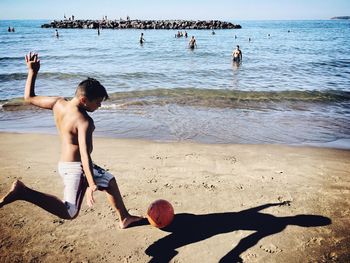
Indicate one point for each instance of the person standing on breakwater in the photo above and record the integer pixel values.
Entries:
(142, 40)
(192, 44)
(79, 174)
(237, 55)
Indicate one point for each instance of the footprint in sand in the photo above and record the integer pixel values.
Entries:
(330, 257)
(271, 248)
(89, 210)
(101, 215)
(314, 241)
(58, 221)
(167, 185)
(345, 212)
(231, 159)
(158, 157)
(284, 201)
(153, 180)
(250, 256)
(192, 156)
(240, 187)
(67, 247)
(19, 224)
(210, 187)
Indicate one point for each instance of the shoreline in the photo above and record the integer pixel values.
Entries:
(340, 144)
(229, 187)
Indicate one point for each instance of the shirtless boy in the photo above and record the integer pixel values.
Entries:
(76, 168)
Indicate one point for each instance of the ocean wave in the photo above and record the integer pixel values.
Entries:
(183, 94)
(4, 59)
(334, 63)
(140, 75)
(212, 98)
(80, 75)
(13, 76)
(43, 75)
(16, 104)
(251, 100)
(70, 56)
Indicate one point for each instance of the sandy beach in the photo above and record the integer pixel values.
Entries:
(231, 202)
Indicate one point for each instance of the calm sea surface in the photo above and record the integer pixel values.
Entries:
(293, 86)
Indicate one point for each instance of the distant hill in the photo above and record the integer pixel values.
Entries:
(341, 17)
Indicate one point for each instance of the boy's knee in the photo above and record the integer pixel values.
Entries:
(72, 210)
(72, 216)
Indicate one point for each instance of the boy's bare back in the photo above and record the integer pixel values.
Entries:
(69, 119)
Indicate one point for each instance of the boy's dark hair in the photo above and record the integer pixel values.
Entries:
(91, 89)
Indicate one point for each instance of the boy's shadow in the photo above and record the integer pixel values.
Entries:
(190, 228)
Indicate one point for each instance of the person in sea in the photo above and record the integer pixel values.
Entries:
(237, 54)
(79, 174)
(192, 43)
(142, 40)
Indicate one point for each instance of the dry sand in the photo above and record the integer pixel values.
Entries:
(225, 198)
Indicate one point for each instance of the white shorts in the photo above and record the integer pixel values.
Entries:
(75, 183)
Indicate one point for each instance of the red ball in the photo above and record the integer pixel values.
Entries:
(160, 213)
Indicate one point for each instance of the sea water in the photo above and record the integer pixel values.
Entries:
(292, 87)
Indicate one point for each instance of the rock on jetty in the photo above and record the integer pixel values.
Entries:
(141, 24)
(341, 17)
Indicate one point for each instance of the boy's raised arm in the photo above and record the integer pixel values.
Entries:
(33, 64)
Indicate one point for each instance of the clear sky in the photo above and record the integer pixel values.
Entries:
(175, 9)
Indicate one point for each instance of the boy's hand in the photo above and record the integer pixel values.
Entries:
(33, 62)
(90, 195)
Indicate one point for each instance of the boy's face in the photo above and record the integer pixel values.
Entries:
(92, 105)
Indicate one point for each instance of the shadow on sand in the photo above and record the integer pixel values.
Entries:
(189, 228)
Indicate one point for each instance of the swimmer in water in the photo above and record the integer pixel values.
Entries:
(237, 55)
(192, 44)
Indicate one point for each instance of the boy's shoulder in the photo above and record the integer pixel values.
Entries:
(61, 101)
(63, 107)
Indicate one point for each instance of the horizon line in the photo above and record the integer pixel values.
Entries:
(248, 19)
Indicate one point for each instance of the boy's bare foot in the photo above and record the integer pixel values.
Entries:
(129, 221)
(14, 193)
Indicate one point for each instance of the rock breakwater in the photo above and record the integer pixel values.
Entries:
(141, 24)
